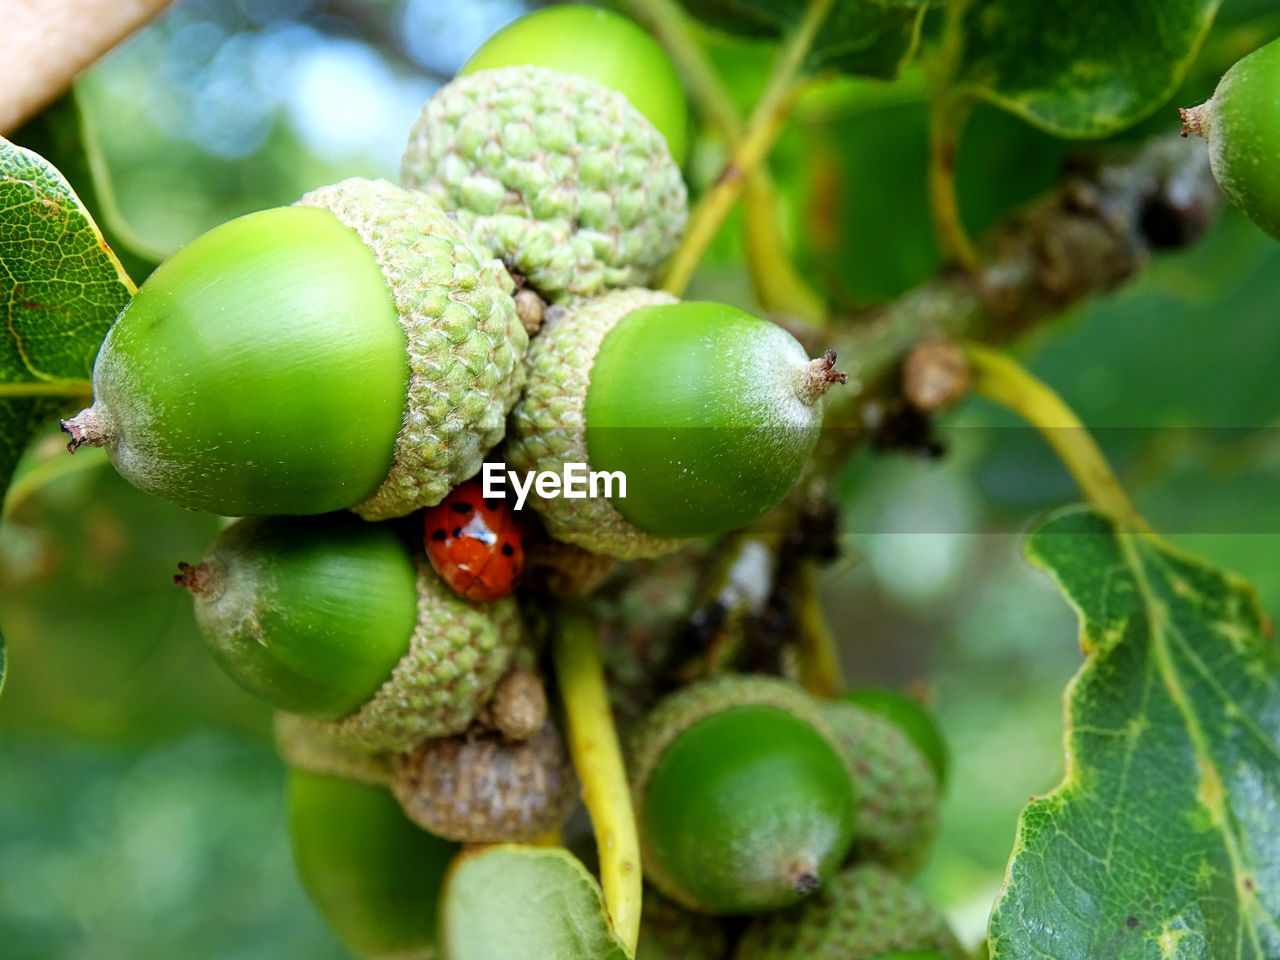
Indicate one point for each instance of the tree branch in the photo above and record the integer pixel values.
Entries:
(1094, 233)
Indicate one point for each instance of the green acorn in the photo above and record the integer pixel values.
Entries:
(357, 350)
(1241, 121)
(335, 619)
(558, 175)
(865, 912)
(486, 789)
(742, 801)
(709, 412)
(373, 875)
(897, 788)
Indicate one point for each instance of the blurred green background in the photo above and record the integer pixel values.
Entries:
(141, 807)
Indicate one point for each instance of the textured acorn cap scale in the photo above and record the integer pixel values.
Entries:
(355, 350)
(558, 175)
(865, 911)
(898, 795)
(485, 789)
(457, 654)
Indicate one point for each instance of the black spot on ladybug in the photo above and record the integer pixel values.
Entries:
(457, 531)
(439, 534)
(508, 550)
(493, 503)
(460, 507)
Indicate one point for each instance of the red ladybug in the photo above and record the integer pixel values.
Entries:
(474, 544)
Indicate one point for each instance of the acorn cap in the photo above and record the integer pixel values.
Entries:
(548, 426)
(306, 744)
(485, 789)
(669, 932)
(558, 175)
(863, 912)
(710, 701)
(464, 339)
(457, 653)
(898, 799)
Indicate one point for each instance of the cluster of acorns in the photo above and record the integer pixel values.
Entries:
(329, 369)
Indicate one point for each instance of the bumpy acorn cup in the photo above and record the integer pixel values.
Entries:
(333, 618)
(743, 803)
(914, 720)
(896, 785)
(668, 932)
(556, 174)
(374, 876)
(1241, 121)
(864, 913)
(485, 789)
(708, 412)
(357, 350)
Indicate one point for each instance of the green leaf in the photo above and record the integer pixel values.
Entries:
(60, 289)
(514, 902)
(1162, 839)
(1079, 69)
(873, 38)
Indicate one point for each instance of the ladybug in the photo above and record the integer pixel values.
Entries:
(474, 543)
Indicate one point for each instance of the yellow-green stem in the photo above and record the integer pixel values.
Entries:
(778, 285)
(597, 757)
(670, 27)
(30, 482)
(819, 655)
(758, 138)
(947, 116)
(1002, 380)
(76, 389)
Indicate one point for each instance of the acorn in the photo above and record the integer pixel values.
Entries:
(561, 177)
(1241, 121)
(742, 801)
(865, 912)
(898, 794)
(374, 876)
(706, 412)
(482, 788)
(357, 350)
(335, 619)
